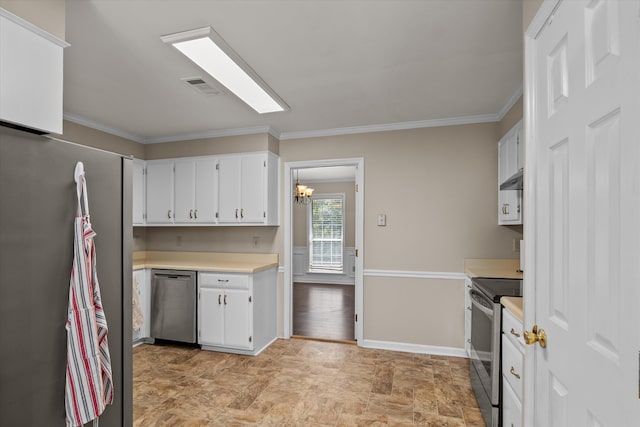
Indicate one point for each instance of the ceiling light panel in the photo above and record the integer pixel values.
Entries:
(210, 52)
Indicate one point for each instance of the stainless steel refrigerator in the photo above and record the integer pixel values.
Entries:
(37, 208)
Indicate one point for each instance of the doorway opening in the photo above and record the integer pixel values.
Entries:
(323, 256)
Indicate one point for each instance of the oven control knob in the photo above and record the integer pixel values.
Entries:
(536, 335)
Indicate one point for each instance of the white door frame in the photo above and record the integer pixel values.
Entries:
(358, 162)
(529, 289)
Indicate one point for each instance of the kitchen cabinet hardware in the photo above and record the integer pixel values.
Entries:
(510, 163)
(513, 332)
(223, 280)
(169, 214)
(195, 214)
(219, 296)
(236, 213)
(225, 299)
(241, 213)
(514, 372)
(190, 213)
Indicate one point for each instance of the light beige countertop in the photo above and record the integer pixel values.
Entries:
(514, 305)
(493, 268)
(205, 261)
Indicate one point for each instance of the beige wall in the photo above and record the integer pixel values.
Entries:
(414, 311)
(46, 14)
(511, 118)
(437, 187)
(211, 146)
(300, 212)
(105, 141)
(529, 10)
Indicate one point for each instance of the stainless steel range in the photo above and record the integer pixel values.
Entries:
(486, 324)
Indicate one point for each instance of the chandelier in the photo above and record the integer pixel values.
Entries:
(302, 193)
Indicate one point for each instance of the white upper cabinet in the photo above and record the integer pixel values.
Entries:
(248, 189)
(239, 189)
(196, 189)
(206, 191)
(138, 192)
(160, 192)
(185, 190)
(230, 175)
(510, 162)
(31, 75)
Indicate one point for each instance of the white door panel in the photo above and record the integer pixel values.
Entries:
(586, 214)
(206, 191)
(253, 188)
(160, 192)
(184, 181)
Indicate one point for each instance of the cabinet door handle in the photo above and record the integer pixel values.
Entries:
(506, 209)
(223, 280)
(195, 214)
(225, 303)
(513, 332)
(190, 213)
(236, 213)
(219, 299)
(514, 373)
(241, 213)
(169, 214)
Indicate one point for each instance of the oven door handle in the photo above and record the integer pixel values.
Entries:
(482, 308)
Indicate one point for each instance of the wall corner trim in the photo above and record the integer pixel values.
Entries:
(414, 348)
(415, 274)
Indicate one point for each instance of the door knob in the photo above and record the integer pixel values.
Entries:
(536, 335)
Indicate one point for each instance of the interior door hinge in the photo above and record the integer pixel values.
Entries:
(355, 317)
(356, 188)
(356, 253)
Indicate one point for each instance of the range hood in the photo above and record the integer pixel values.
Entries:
(513, 183)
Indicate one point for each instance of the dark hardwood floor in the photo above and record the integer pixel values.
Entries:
(323, 311)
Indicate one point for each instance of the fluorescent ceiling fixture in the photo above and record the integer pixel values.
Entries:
(211, 53)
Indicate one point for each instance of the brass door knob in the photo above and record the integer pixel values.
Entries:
(536, 336)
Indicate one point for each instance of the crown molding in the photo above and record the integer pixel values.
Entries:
(510, 103)
(98, 126)
(485, 118)
(453, 121)
(33, 28)
(214, 134)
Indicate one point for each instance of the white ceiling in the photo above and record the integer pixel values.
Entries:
(337, 64)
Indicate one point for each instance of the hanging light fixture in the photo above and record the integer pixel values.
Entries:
(302, 193)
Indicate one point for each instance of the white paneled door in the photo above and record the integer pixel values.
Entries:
(583, 154)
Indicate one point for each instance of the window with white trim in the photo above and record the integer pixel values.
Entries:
(326, 233)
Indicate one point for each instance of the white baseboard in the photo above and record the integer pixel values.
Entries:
(415, 348)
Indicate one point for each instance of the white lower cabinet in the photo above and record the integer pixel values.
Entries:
(142, 289)
(467, 315)
(512, 367)
(237, 311)
(511, 407)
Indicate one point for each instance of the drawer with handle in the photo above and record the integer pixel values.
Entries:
(512, 362)
(512, 328)
(229, 281)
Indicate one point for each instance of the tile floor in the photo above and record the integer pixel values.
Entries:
(300, 383)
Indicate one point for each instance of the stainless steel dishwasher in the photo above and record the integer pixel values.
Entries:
(173, 305)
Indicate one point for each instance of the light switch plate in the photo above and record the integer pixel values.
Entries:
(382, 220)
